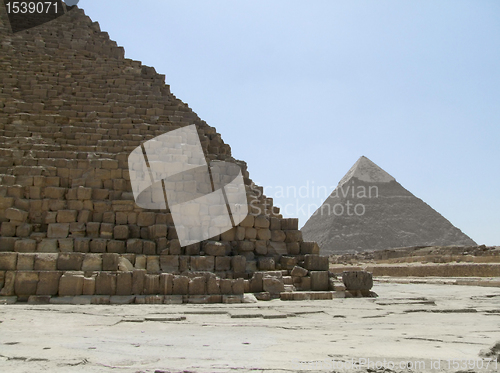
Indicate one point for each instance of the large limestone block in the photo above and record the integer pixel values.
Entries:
(319, 280)
(89, 285)
(153, 264)
(261, 221)
(151, 284)
(138, 281)
(203, 263)
(197, 286)
(314, 262)
(180, 285)
(8, 261)
(15, 214)
(110, 261)
(124, 283)
(66, 216)
(213, 286)
(47, 246)
(134, 246)
(309, 248)
(71, 284)
(25, 283)
(238, 286)
(357, 280)
(115, 246)
(266, 264)
(223, 263)
(48, 283)
(8, 285)
(7, 243)
(298, 271)
(45, 262)
(169, 263)
(92, 262)
(25, 261)
(238, 262)
(58, 230)
(273, 285)
(166, 283)
(215, 248)
(226, 286)
(70, 261)
(105, 283)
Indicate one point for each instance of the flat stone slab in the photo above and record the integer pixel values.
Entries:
(420, 324)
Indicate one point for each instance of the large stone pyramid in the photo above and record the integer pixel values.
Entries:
(72, 109)
(370, 210)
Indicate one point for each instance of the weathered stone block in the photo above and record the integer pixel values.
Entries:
(266, 264)
(153, 264)
(58, 230)
(263, 234)
(202, 263)
(226, 286)
(25, 283)
(89, 285)
(115, 246)
(71, 284)
(134, 246)
(45, 262)
(250, 233)
(146, 219)
(138, 281)
(314, 262)
(278, 236)
(151, 284)
(65, 245)
(357, 280)
(228, 235)
(8, 283)
(15, 214)
(92, 262)
(124, 283)
(48, 283)
(248, 221)
(24, 230)
(98, 245)
(8, 261)
(246, 245)
(124, 264)
(82, 245)
(238, 286)
(309, 248)
(273, 285)
(7, 243)
(223, 263)
(213, 286)
(120, 232)
(47, 246)
(319, 280)
(180, 285)
(110, 261)
(197, 286)
(25, 261)
(8, 229)
(105, 283)
(216, 248)
(288, 262)
(299, 272)
(107, 230)
(66, 216)
(70, 261)
(166, 283)
(169, 263)
(261, 221)
(293, 236)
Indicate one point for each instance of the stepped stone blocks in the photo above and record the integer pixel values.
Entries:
(370, 210)
(72, 110)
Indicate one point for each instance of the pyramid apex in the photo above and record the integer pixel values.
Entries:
(366, 170)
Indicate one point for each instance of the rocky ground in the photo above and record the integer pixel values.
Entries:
(420, 327)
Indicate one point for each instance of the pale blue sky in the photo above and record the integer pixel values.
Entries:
(302, 89)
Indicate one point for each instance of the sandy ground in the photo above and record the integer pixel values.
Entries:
(412, 327)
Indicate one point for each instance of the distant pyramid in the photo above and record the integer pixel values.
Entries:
(370, 210)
